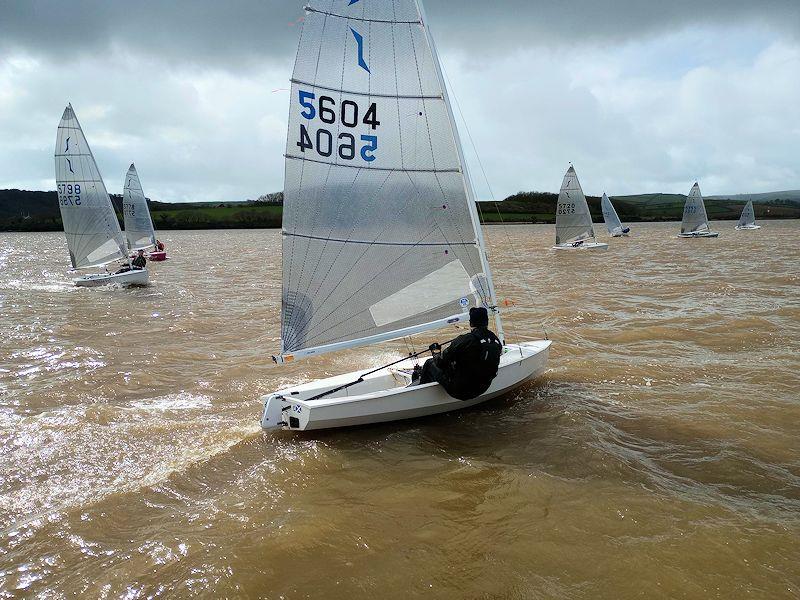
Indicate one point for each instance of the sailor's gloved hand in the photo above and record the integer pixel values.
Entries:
(434, 347)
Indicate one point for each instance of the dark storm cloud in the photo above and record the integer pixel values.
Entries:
(231, 34)
(239, 33)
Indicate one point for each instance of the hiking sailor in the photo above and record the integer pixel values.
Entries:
(466, 368)
(136, 264)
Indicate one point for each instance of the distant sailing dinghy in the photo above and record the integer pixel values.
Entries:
(695, 219)
(748, 218)
(90, 223)
(574, 230)
(381, 238)
(139, 231)
(614, 225)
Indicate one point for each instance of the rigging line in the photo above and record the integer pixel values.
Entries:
(359, 171)
(491, 193)
(305, 256)
(365, 168)
(428, 129)
(383, 329)
(287, 319)
(324, 187)
(473, 267)
(406, 170)
(377, 243)
(358, 291)
(368, 94)
(352, 18)
(304, 324)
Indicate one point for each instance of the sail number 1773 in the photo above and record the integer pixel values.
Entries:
(347, 113)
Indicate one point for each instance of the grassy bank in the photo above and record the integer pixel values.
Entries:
(38, 211)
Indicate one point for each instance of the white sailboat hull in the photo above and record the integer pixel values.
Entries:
(133, 277)
(386, 395)
(747, 227)
(699, 234)
(584, 246)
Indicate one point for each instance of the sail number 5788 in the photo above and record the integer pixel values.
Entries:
(345, 145)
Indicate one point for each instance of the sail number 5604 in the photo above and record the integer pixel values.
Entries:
(345, 144)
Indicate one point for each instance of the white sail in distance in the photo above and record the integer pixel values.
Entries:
(139, 231)
(573, 219)
(380, 233)
(610, 216)
(90, 223)
(748, 216)
(694, 212)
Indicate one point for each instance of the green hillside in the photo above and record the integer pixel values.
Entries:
(38, 211)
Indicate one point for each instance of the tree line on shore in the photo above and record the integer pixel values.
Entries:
(38, 211)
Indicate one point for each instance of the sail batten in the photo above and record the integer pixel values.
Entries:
(139, 231)
(378, 235)
(573, 219)
(359, 93)
(361, 167)
(90, 223)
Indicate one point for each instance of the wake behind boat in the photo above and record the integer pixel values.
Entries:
(94, 237)
(381, 238)
(574, 228)
(611, 218)
(695, 218)
(748, 219)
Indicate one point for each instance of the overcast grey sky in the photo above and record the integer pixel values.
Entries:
(641, 96)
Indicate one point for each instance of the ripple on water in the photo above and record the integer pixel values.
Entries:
(658, 455)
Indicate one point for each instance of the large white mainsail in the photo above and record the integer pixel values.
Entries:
(139, 231)
(573, 219)
(748, 218)
(90, 223)
(695, 218)
(380, 232)
(611, 218)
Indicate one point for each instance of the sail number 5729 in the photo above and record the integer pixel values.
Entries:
(345, 145)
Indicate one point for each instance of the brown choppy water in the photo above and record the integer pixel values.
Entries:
(658, 458)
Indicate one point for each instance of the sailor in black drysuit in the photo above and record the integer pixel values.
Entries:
(468, 365)
(136, 264)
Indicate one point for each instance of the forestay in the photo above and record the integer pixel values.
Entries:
(90, 223)
(694, 212)
(139, 231)
(380, 235)
(748, 215)
(610, 216)
(573, 219)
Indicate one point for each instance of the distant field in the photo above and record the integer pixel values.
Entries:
(38, 211)
(223, 217)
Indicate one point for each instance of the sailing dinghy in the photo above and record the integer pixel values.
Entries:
(574, 229)
(611, 218)
(695, 219)
(139, 231)
(93, 235)
(748, 219)
(381, 238)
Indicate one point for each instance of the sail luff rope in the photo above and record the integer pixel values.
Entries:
(518, 264)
